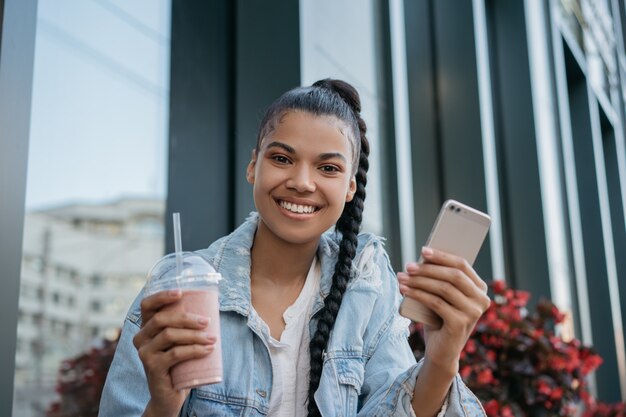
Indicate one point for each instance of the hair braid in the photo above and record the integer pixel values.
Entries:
(348, 225)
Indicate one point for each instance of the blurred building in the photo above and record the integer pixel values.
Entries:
(83, 264)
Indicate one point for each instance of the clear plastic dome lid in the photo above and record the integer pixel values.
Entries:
(195, 273)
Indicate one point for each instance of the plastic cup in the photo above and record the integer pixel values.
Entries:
(198, 282)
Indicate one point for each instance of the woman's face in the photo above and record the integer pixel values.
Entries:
(302, 176)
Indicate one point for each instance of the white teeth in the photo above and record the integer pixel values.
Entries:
(296, 208)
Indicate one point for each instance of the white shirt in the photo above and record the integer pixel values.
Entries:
(290, 355)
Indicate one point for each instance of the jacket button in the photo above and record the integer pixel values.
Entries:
(261, 393)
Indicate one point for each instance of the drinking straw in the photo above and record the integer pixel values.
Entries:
(178, 245)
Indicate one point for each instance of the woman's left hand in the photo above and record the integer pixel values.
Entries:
(449, 286)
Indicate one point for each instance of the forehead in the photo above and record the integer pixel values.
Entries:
(303, 130)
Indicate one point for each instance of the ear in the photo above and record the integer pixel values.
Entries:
(251, 166)
(351, 190)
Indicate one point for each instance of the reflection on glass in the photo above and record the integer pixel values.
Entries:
(591, 23)
(340, 40)
(95, 192)
(573, 18)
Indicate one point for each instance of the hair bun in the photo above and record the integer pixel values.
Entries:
(346, 91)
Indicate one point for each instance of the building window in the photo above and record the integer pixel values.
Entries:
(96, 305)
(96, 281)
(77, 216)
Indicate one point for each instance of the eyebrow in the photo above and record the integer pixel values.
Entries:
(331, 155)
(281, 145)
(324, 156)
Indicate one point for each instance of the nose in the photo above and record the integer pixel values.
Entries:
(301, 181)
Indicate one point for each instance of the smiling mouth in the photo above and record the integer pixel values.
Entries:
(297, 208)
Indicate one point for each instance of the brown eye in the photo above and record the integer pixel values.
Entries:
(330, 168)
(281, 159)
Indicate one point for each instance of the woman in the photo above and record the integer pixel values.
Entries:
(309, 318)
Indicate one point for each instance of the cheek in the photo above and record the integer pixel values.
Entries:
(267, 178)
(340, 190)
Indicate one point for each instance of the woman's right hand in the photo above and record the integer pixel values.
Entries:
(167, 338)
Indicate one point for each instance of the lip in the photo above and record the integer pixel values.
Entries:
(300, 201)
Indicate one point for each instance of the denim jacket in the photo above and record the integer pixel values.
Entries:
(369, 369)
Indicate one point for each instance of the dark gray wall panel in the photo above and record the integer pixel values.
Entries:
(522, 213)
(456, 82)
(268, 64)
(201, 117)
(446, 136)
(423, 113)
(616, 214)
(595, 261)
(18, 20)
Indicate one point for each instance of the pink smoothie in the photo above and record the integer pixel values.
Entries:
(206, 370)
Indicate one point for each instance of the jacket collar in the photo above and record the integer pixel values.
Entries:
(232, 260)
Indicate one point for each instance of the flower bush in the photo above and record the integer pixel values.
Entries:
(517, 366)
(80, 382)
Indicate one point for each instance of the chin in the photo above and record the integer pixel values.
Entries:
(293, 235)
(299, 238)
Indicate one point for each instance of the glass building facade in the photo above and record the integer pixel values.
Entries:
(110, 111)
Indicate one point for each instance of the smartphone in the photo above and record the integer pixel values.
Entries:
(459, 230)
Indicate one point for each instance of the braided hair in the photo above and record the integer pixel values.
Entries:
(348, 225)
(339, 99)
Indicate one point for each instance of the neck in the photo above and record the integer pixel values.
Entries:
(279, 261)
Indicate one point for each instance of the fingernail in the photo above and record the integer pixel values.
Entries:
(403, 288)
(173, 293)
(208, 337)
(202, 320)
(413, 266)
(427, 251)
(209, 348)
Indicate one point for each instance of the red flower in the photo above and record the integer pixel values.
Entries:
(491, 408)
(490, 315)
(556, 394)
(498, 286)
(470, 346)
(557, 363)
(557, 315)
(521, 298)
(498, 325)
(507, 412)
(485, 377)
(537, 333)
(591, 363)
(544, 388)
